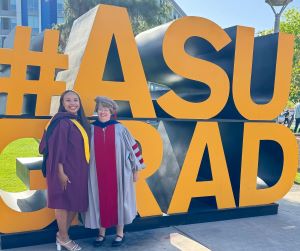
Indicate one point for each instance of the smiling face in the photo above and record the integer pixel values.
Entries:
(104, 114)
(71, 102)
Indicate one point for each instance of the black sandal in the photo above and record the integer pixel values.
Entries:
(116, 243)
(98, 242)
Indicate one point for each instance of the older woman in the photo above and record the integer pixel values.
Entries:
(115, 161)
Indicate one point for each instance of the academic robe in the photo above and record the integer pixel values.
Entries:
(66, 146)
(114, 157)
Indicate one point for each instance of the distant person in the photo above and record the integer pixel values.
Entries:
(297, 116)
(66, 144)
(115, 162)
(286, 117)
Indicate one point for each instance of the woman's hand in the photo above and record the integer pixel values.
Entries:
(135, 176)
(63, 178)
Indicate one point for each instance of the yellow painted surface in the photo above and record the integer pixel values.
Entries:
(89, 81)
(206, 134)
(194, 68)
(242, 76)
(253, 134)
(19, 57)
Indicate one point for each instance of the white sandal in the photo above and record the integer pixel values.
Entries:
(69, 245)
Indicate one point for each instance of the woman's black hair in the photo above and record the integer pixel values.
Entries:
(81, 115)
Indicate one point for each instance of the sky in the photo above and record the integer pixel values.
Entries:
(227, 13)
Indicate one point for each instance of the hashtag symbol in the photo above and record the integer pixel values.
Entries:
(19, 57)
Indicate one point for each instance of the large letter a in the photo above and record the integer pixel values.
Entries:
(110, 22)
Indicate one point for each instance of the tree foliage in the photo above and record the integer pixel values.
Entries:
(144, 14)
(291, 24)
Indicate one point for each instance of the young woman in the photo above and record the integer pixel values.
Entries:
(66, 141)
(115, 162)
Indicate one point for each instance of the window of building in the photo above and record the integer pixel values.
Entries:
(2, 41)
(60, 7)
(60, 20)
(13, 4)
(60, 11)
(5, 23)
(8, 5)
(32, 6)
(4, 4)
(13, 23)
(33, 22)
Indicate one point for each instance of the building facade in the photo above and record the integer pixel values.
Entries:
(38, 14)
(8, 18)
(41, 14)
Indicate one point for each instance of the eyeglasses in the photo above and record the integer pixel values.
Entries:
(103, 110)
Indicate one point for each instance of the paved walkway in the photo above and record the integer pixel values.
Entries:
(276, 232)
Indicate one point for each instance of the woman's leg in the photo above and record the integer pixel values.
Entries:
(118, 241)
(62, 223)
(63, 217)
(297, 124)
(102, 231)
(120, 230)
(70, 218)
(101, 237)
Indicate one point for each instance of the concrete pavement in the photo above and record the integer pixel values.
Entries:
(276, 232)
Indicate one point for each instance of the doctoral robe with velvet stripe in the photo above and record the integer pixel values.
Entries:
(114, 157)
(66, 146)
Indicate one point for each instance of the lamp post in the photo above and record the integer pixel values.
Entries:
(278, 3)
